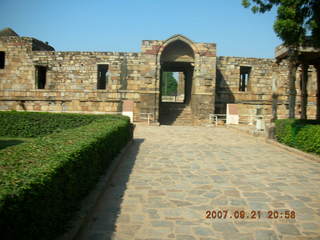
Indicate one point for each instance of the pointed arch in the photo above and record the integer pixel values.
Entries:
(178, 38)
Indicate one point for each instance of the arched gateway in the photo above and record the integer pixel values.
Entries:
(177, 61)
(188, 66)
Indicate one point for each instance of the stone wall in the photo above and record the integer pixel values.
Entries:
(71, 84)
(203, 58)
(265, 79)
(71, 79)
(18, 64)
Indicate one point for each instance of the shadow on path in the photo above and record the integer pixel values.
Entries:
(102, 222)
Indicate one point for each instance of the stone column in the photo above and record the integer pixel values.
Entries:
(180, 90)
(304, 91)
(318, 91)
(274, 107)
(292, 88)
(275, 93)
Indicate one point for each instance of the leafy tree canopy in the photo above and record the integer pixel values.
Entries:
(298, 21)
(169, 84)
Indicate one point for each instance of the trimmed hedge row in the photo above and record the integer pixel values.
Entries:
(301, 134)
(43, 181)
(32, 124)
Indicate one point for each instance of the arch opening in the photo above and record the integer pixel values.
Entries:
(176, 73)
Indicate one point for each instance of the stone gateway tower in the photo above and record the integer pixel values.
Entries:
(35, 77)
(194, 61)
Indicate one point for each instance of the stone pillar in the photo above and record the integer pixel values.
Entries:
(304, 91)
(274, 107)
(292, 88)
(318, 91)
(275, 93)
(180, 90)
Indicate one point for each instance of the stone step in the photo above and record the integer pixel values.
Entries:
(176, 114)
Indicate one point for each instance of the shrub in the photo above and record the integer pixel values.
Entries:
(301, 134)
(43, 181)
(32, 124)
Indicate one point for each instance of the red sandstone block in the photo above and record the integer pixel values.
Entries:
(127, 106)
(156, 47)
(209, 54)
(37, 107)
(153, 52)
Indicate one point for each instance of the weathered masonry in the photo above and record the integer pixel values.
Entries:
(35, 77)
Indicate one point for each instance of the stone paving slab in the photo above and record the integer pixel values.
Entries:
(173, 178)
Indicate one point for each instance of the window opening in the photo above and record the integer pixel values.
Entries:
(41, 77)
(102, 76)
(244, 78)
(2, 60)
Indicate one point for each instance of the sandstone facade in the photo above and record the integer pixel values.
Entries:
(71, 80)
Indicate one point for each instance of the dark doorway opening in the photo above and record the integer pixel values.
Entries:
(175, 100)
(177, 61)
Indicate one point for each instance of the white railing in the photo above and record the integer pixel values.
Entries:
(258, 120)
(214, 118)
(147, 116)
(172, 98)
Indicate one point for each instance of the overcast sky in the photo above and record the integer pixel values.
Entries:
(121, 25)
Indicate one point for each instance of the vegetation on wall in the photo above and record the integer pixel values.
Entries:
(301, 134)
(43, 180)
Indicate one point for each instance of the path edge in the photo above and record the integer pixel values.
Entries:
(273, 142)
(293, 150)
(88, 203)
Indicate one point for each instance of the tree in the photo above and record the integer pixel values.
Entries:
(298, 21)
(297, 24)
(169, 84)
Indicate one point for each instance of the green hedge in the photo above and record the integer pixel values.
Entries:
(32, 124)
(301, 134)
(43, 181)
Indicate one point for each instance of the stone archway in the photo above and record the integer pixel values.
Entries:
(176, 57)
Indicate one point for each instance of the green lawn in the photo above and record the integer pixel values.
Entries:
(10, 141)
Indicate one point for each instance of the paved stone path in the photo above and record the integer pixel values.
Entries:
(171, 176)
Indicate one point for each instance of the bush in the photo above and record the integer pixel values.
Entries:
(32, 124)
(301, 134)
(43, 181)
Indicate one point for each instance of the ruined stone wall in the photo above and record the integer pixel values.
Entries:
(78, 70)
(266, 77)
(71, 83)
(150, 78)
(18, 64)
(203, 93)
